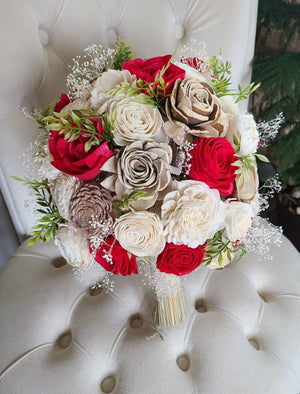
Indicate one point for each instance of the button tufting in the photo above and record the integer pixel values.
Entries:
(179, 32)
(200, 307)
(96, 291)
(263, 297)
(44, 37)
(254, 343)
(136, 321)
(183, 363)
(111, 36)
(65, 340)
(108, 384)
(58, 262)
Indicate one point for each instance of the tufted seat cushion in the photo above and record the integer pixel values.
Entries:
(240, 334)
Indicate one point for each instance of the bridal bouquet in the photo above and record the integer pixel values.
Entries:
(147, 161)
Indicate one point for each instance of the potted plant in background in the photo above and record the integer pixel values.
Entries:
(276, 65)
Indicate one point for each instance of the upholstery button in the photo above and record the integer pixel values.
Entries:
(65, 340)
(183, 363)
(44, 37)
(263, 297)
(96, 291)
(111, 36)
(108, 384)
(179, 32)
(254, 343)
(200, 307)
(58, 262)
(136, 321)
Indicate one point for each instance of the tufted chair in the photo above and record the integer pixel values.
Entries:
(241, 333)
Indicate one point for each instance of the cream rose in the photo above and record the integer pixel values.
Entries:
(248, 188)
(192, 214)
(244, 126)
(229, 106)
(73, 247)
(43, 163)
(141, 233)
(193, 108)
(135, 121)
(238, 220)
(215, 262)
(106, 82)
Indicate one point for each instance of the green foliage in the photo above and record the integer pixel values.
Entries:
(124, 205)
(79, 122)
(123, 53)
(219, 246)
(221, 80)
(152, 93)
(280, 77)
(48, 223)
(276, 65)
(43, 114)
(280, 15)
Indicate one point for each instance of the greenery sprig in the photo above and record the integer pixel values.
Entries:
(44, 114)
(122, 54)
(221, 80)
(78, 122)
(152, 93)
(124, 205)
(48, 223)
(219, 245)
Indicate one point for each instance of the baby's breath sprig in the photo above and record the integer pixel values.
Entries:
(124, 205)
(219, 246)
(79, 122)
(152, 93)
(221, 80)
(48, 223)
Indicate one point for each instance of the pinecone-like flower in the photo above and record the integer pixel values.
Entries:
(91, 210)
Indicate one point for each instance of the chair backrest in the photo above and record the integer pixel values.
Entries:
(39, 39)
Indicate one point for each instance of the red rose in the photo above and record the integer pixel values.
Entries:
(64, 101)
(148, 69)
(70, 156)
(211, 163)
(179, 259)
(118, 260)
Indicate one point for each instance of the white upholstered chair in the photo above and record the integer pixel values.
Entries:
(241, 333)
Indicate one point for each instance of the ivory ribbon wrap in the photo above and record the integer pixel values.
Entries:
(170, 304)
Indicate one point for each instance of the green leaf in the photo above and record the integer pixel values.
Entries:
(17, 178)
(54, 126)
(262, 157)
(30, 242)
(75, 118)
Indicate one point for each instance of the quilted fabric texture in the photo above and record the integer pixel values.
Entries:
(56, 335)
(240, 334)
